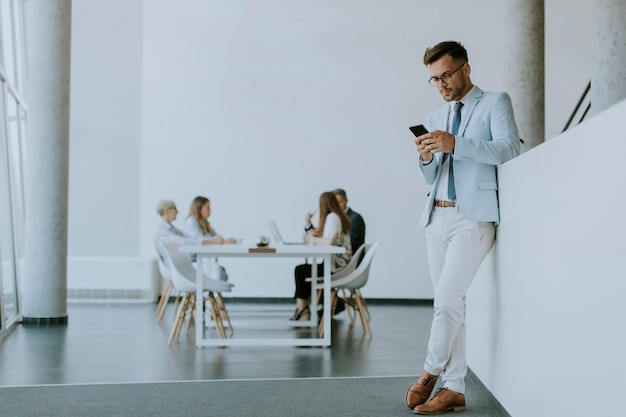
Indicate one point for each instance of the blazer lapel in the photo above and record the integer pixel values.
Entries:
(473, 100)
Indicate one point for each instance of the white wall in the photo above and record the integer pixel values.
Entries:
(282, 100)
(261, 106)
(105, 129)
(545, 315)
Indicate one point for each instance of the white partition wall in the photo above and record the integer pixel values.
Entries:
(545, 315)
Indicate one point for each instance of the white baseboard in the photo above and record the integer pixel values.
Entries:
(112, 279)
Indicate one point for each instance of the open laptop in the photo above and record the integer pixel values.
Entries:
(277, 236)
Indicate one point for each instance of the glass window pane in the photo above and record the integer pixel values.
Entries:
(16, 158)
(19, 45)
(6, 24)
(7, 255)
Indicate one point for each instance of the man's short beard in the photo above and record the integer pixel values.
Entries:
(457, 93)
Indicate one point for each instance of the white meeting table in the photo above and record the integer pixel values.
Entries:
(281, 251)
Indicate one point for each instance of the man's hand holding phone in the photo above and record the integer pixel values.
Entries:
(423, 147)
(429, 143)
(421, 134)
(438, 141)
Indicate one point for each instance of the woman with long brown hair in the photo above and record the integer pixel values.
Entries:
(197, 226)
(333, 229)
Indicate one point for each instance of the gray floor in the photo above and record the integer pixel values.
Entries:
(123, 343)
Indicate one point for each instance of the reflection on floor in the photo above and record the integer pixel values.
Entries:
(108, 343)
(123, 343)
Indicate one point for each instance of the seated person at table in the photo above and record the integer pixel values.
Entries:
(357, 225)
(167, 232)
(334, 229)
(197, 226)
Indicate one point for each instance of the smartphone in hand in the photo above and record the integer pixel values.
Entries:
(418, 130)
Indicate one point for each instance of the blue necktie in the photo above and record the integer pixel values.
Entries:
(456, 122)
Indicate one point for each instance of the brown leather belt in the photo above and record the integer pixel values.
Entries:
(439, 203)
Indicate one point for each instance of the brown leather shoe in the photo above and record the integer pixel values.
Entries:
(419, 392)
(443, 400)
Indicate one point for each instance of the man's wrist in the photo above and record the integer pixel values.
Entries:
(425, 162)
(308, 227)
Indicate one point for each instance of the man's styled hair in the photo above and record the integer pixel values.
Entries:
(341, 192)
(452, 48)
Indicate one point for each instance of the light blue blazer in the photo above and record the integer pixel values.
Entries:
(487, 137)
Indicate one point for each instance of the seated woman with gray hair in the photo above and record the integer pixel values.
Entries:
(167, 232)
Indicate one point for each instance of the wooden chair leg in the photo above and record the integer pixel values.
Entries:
(192, 310)
(222, 306)
(176, 304)
(320, 327)
(183, 312)
(333, 302)
(165, 298)
(217, 317)
(160, 303)
(334, 296)
(178, 319)
(348, 306)
(362, 307)
(365, 307)
(319, 297)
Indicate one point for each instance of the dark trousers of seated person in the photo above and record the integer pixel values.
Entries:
(302, 273)
(303, 287)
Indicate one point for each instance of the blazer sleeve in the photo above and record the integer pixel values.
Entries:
(491, 137)
(357, 234)
(435, 121)
(429, 170)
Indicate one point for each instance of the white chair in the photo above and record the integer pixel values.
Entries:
(184, 280)
(354, 261)
(353, 282)
(165, 272)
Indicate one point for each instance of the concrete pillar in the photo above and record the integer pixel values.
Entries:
(608, 68)
(524, 67)
(44, 286)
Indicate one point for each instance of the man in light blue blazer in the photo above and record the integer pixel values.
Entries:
(468, 138)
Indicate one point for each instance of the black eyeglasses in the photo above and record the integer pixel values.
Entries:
(445, 77)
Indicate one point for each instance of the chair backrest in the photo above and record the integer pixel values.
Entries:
(164, 270)
(358, 278)
(351, 265)
(184, 273)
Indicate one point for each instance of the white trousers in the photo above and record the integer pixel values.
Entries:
(456, 248)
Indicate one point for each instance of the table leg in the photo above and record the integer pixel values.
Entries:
(327, 307)
(199, 300)
(314, 287)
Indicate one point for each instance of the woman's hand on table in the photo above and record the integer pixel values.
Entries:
(308, 238)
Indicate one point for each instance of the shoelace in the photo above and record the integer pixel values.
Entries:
(440, 392)
(429, 379)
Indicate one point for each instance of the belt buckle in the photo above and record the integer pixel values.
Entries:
(443, 203)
